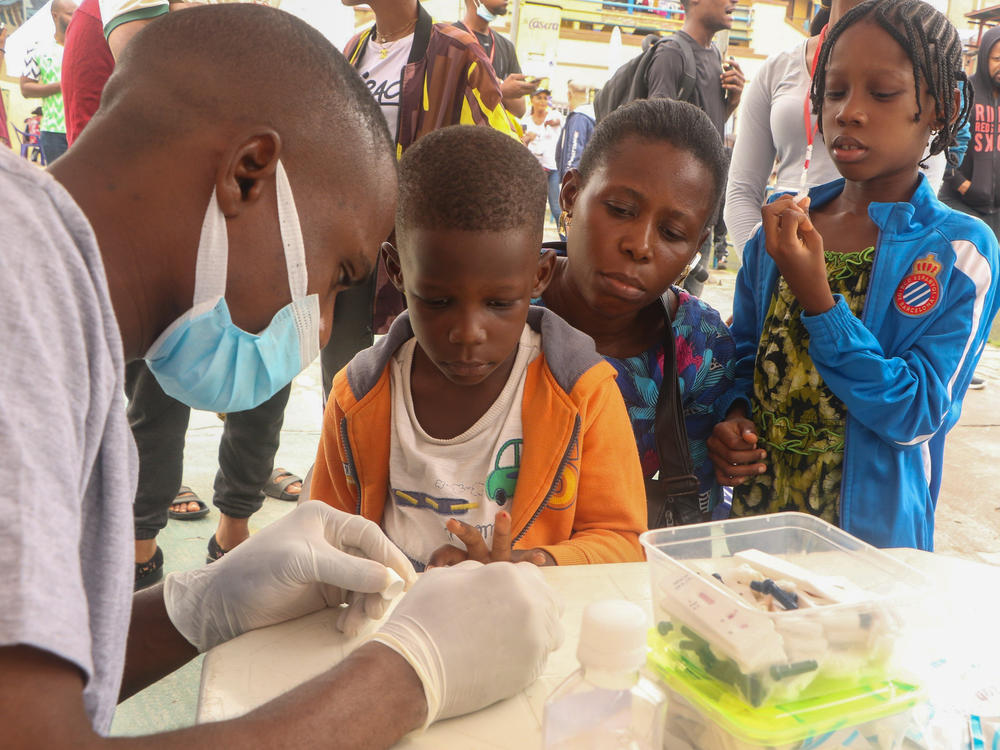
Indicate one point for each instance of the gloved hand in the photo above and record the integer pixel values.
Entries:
(475, 633)
(314, 557)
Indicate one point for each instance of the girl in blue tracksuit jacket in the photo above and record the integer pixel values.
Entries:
(862, 309)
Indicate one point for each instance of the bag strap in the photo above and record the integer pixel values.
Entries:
(689, 75)
(676, 469)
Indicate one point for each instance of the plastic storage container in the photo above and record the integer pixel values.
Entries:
(712, 634)
(692, 726)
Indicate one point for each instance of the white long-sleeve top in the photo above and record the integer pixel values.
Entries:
(772, 124)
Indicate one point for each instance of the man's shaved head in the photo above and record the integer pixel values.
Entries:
(208, 102)
(242, 64)
(62, 12)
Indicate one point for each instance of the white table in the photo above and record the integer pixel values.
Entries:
(250, 670)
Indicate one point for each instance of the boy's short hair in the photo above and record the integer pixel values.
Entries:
(471, 178)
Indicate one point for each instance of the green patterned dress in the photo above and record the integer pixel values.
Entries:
(799, 420)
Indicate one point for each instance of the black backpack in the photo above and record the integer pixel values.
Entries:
(630, 80)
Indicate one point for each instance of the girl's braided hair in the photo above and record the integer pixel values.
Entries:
(933, 46)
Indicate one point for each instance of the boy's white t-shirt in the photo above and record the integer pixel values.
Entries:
(381, 69)
(468, 477)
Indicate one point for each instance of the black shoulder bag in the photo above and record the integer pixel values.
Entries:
(672, 499)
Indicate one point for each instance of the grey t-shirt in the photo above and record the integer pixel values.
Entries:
(66, 452)
(666, 71)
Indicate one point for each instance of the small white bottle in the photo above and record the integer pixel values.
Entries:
(607, 704)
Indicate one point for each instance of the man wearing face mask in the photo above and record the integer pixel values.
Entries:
(479, 14)
(127, 262)
(250, 438)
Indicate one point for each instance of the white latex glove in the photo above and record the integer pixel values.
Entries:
(314, 557)
(475, 633)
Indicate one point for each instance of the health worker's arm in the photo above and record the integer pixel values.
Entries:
(370, 700)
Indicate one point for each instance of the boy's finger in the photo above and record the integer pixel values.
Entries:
(474, 543)
(501, 537)
(446, 555)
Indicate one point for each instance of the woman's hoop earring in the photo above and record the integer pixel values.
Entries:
(564, 221)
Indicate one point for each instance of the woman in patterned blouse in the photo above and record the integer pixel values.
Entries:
(636, 212)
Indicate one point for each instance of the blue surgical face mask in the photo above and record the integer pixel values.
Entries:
(204, 360)
(483, 12)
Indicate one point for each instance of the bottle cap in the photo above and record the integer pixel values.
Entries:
(394, 586)
(613, 636)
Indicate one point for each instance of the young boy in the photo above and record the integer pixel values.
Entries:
(480, 426)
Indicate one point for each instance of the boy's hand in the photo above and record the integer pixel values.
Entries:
(475, 546)
(732, 447)
(797, 248)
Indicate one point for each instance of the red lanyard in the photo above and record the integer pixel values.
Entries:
(811, 129)
(493, 45)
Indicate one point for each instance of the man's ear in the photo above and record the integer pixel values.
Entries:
(543, 275)
(569, 191)
(248, 165)
(393, 267)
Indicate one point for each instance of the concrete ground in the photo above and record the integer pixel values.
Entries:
(968, 516)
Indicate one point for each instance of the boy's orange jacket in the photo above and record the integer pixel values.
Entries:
(579, 493)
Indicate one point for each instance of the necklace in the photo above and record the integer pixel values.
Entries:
(386, 40)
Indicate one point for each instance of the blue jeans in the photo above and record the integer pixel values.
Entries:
(53, 145)
(554, 183)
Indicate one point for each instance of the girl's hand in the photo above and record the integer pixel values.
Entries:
(797, 248)
(733, 449)
(475, 546)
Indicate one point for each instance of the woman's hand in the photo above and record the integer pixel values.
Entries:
(475, 546)
(797, 248)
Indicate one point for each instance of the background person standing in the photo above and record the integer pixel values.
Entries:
(971, 187)
(542, 126)
(42, 79)
(513, 85)
(718, 86)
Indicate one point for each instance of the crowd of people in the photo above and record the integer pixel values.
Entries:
(531, 403)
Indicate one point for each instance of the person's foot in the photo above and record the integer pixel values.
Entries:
(977, 384)
(231, 532)
(183, 504)
(144, 550)
(283, 485)
(150, 569)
